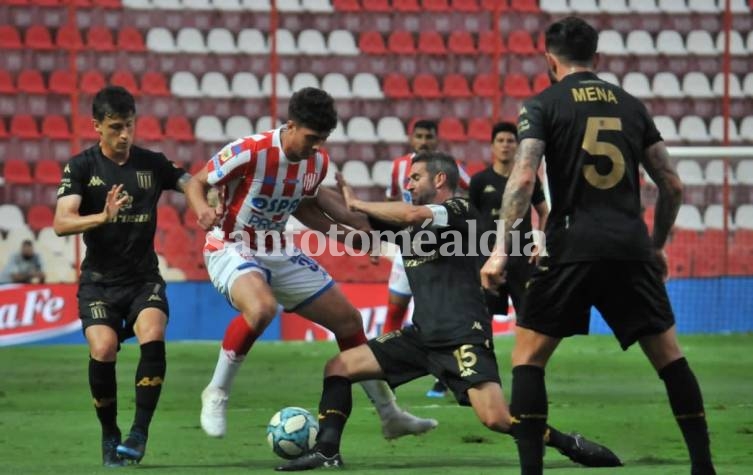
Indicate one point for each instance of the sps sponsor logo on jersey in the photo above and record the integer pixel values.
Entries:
(278, 207)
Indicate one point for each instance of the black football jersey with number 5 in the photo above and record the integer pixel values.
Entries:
(596, 135)
(122, 250)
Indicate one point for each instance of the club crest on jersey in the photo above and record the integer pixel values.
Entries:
(144, 179)
(309, 181)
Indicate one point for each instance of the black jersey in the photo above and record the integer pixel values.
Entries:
(449, 305)
(485, 194)
(595, 134)
(121, 251)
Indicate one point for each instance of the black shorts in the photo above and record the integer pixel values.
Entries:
(403, 357)
(517, 273)
(117, 306)
(630, 295)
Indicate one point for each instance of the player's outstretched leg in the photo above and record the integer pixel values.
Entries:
(396, 422)
(134, 447)
(110, 456)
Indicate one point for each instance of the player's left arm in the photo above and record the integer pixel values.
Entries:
(392, 212)
(332, 204)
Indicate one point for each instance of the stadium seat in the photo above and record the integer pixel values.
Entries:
(401, 42)
(464, 6)
(178, 128)
(436, 6)
(38, 38)
(167, 4)
(452, 130)
(666, 85)
(699, 42)
(91, 82)
(377, 6)
(541, 82)
(201, 5)
(125, 79)
(68, 37)
(214, 84)
(10, 38)
(11, 217)
(555, 7)
(366, 86)
(391, 130)
(640, 43)
(190, 40)
(39, 217)
(520, 42)
(485, 85)
(426, 86)
(712, 218)
(6, 83)
(670, 43)
(336, 84)
(209, 129)
(688, 217)
(330, 180)
(62, 82)
(238, 126)
(286, 45)
(715, 173)
(264, 124)
(381, 173)
(516, 85)
(614, 7)
(611, 78)
(523, 6)
(356, 173)
(406, 6)
(47, 172)
(746, 129)
(17, 172)
(611, 43)
(396, 87)
(245, 85)
(153, 83)
(338, 135)
(748, 84)
(149, 128)
(311, 42)
(636, 83)
(673, 7)
(55, 127)
(24, 127)
(342, 43)
(289, 6)
(644, 6)
(371, 42)
(461, 42)
(302, 80)
(667, 128)
(431, 42)
(346, 6)
(585, 7)
(283, 86)
(184, 84)
(129, 39)
(690, 172)
(456, 86)
(256, 5)
(716, 130)
(30, 81)
(160, 40)
(703, 6)
(252, 41)
(696, 85)
(317, 6)
(743, 216)
(85, 128)
(735, 89)
(221, 41)
(361, 129)
(480, 129)
(736, 44)
(99, 38)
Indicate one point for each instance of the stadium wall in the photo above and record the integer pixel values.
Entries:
(32, 314)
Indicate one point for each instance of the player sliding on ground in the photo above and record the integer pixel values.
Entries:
(451, 337)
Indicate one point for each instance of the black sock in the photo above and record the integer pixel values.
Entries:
(687, 405)
(528, 407)
(150, 375)
(104, 389)
(334, 409)
(556, 439)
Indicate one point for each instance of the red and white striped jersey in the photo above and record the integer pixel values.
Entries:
(262, 187)
(401, 172)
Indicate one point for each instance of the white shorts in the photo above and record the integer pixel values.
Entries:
(398, 283)
(295, 278)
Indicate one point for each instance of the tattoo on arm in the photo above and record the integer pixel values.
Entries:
(660, 169)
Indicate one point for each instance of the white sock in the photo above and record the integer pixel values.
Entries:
(228, 364)
(381, 396)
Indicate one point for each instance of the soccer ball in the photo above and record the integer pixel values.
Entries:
(291, 432)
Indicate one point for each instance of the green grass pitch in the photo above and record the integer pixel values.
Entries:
(48, 426)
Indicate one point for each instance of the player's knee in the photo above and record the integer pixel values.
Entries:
(348, 325)
(258, 312)
(495, 422)
(335, 367)
(103, 350)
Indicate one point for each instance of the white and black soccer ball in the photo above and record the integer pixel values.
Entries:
(291, 432)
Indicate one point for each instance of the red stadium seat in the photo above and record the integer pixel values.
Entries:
(406, 6)
(178, 128)
(55, 127)
(91, 82)
(541, 82)
(520, 42)
(371, 42)
(10, 38)
(485, 85)
(130, 40)
(461, 42)
(3, 129)
(99, 38)
(6, 83)
(436, 6)
(47, 172)
(431, 42)
(492, 5)
(149, 128)
(153, 83)
(17, 172)
(24, 127)
(480, 129)
(517, 86)
(401, 42)
(541, 43)
(350, 6)
(125, 79)
(396, 87)
(377, 6)
(426, 86)
(465, 6)
(456, 86)
(490, 43)
(86, 128)
(62, 82)
(30, 81)
(38, 37)
(39, 217)
(167, 217)
(525, 6)
(451, 129)
(68, 37)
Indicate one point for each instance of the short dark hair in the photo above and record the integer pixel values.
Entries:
(440, 162)
(425, 124)
(504, 127)
(313, 108)
(573, 40)
(113, 101)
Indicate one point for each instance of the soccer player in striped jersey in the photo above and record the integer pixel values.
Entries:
(266, 178)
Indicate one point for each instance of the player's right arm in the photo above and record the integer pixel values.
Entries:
(69, 221)
(196, 195)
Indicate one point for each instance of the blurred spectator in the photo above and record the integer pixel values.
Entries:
(24, 267)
